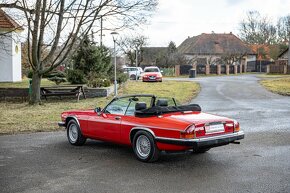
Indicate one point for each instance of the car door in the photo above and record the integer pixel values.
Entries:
(107, 124)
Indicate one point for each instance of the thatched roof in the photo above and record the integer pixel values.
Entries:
(214, 44)
(7, 23)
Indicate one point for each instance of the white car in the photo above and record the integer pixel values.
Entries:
(133, 72)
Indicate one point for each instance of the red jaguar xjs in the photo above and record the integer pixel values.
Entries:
(150, 125)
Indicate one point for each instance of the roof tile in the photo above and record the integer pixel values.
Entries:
(6, 22)
(214, 44)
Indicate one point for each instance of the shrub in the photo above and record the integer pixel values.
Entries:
(76, 77)
(30, 74)
(99, 82)
(122, 77)
(48, 75)
(59, 74)
(57, 80)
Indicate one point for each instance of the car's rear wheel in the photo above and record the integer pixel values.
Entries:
(133, 77)
(74, 134)
(144, 147)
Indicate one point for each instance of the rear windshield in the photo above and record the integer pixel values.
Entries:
(151, 70)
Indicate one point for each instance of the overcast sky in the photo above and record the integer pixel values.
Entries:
(177, 19)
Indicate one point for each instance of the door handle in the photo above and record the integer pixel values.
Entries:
(117, 118)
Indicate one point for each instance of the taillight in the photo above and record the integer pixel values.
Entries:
(189, 133)
(236, 126)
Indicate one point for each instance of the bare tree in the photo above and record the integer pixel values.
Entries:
(55, 26)
(283, 28)
(232, 58)
(131, 46)
(257, 29)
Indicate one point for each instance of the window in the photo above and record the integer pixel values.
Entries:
(126, 106)
(118, 107)
(170, 101)
(151, 70)
(131, 109)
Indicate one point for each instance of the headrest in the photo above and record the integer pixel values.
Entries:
(140, 106)
(162, 102)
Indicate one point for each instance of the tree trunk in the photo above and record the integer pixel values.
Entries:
(289, 50)
(35, 94)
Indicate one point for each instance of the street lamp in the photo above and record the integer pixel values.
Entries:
(114, 35)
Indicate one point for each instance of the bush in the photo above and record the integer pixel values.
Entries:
(57, 80)
(30, 74)
(99, 82)
(122, 77)
(59, 74)
(48, 75)
(76, 77)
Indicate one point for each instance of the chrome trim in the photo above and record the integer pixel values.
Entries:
(61, 124)
(75, 118)
(204, 139)
(142, 128)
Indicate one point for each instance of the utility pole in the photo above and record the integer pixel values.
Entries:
(289, 51)
(136, 62)
(101, 36)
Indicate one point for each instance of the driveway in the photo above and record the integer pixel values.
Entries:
(45, 162)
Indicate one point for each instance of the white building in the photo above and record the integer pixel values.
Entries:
(10, 49)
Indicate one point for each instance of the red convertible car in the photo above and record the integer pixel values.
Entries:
(150, 125)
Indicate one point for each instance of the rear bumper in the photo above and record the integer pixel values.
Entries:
(61, 124)
(206, 142)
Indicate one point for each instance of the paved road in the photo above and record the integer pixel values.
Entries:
(45, 162)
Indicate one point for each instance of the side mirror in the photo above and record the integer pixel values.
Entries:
(98, 110)
(161, 71)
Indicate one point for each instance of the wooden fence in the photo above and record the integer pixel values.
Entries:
(279, 69)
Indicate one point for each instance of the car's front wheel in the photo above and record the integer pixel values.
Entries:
(145, 147)
(74, 134)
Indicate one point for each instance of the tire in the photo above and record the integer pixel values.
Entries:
(144, 147)
(200, 150)
(133, 77)
(74, 134)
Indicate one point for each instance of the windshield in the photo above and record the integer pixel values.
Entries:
(151, 70)
(126, 105)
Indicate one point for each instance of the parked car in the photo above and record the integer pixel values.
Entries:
(152, 74)
(151, 125)
(133, 72)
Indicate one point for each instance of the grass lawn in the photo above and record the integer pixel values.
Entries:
(16, 117)
(271, 76)
(279, 84)
(25, 84)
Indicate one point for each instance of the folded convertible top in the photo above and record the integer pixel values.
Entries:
(159, 110)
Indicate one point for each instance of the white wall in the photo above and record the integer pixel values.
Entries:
(10, 60)
(251, 58)
(16, 59)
